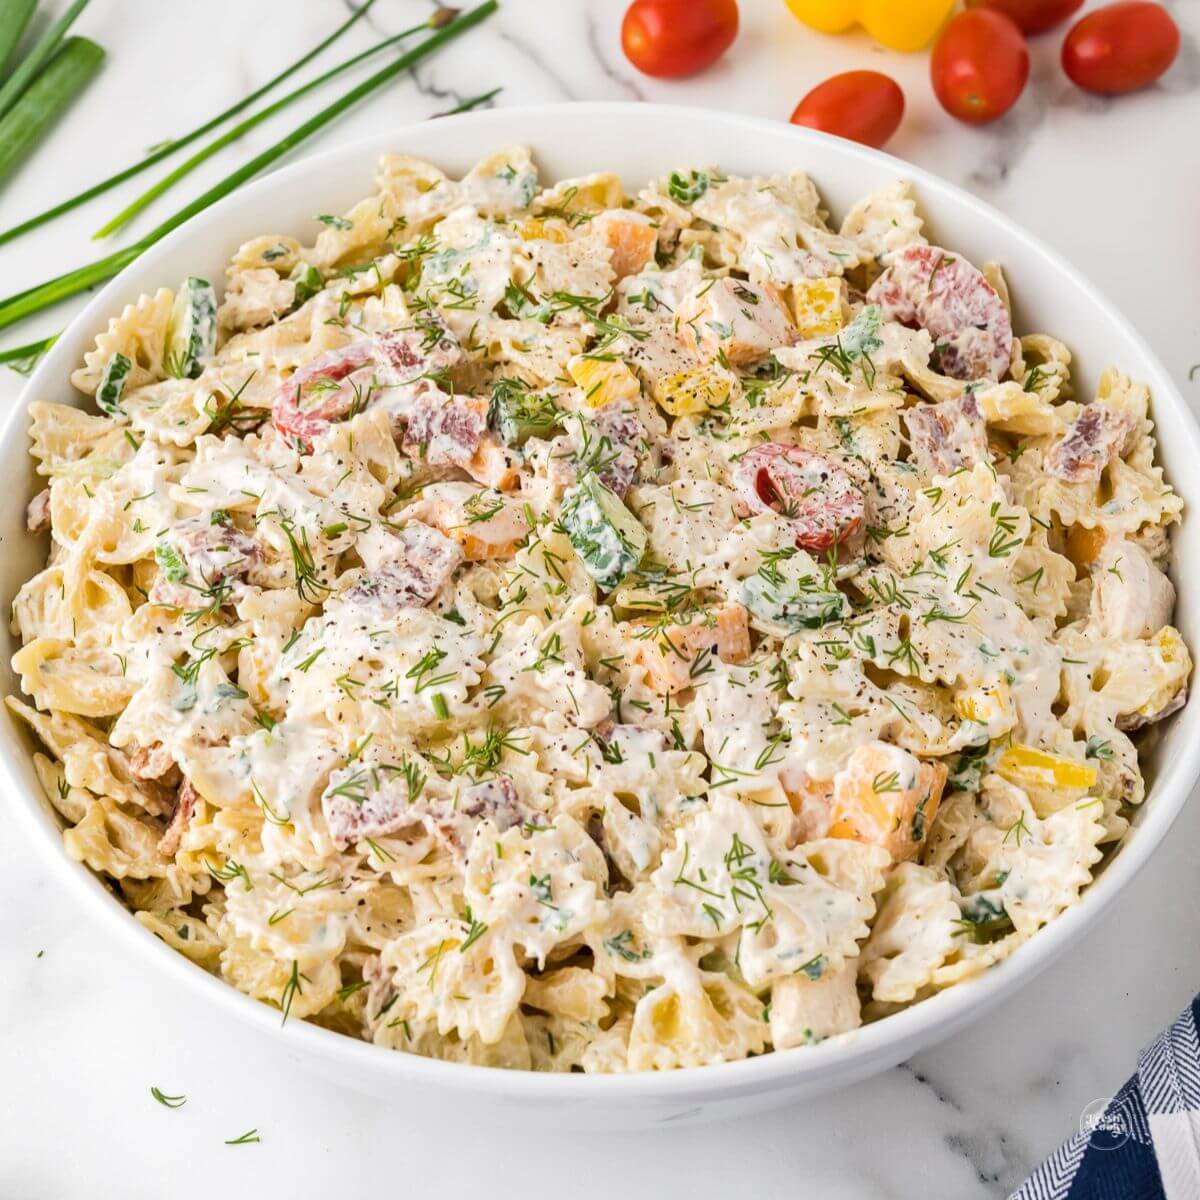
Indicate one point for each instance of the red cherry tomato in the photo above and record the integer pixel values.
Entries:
(670, 38)
(1033, 16)
(1121, 47)
(863, 106)
(979, 66)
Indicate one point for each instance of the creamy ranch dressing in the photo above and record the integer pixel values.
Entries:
(561, 630)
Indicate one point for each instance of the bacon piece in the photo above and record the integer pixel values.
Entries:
(185, 808)
(807, 489)
(741, 321)
(605, 443)
(372, 800)
(674, 656)
(1098, 436)
(213, 554)
(152, 762)
(410, 365)
(494, 800)
(367, 800)
(452, 431)
(947, 437)
(616, 434)
(324, 391)
(945, 295)
(444, 430)
(405, 354)
(37, 513)
(216, 551)
(424, 560)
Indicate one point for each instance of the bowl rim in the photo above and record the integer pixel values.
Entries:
(844, 1056)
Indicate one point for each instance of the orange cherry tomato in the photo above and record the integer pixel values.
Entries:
(1033, 16)
(864, 106)
(979, 66)
(670, 38)
(1121, 47)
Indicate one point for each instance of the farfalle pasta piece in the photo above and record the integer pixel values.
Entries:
(912, 935)
(140, 334)
(776, 228)
(571, 993)
(884, 222)
(88, 761)
(695, 1019)
(275, 981)
(1128, 685)
(72, 679)
(472, 987)
(115, 843)
(69, 603)
(546, 885)
(71, 443)
(188, 935)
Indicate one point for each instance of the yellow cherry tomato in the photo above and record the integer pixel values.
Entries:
(899, 24)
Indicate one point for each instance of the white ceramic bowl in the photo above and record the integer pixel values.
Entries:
(640, 142)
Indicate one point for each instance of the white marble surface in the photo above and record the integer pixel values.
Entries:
(84, 1034)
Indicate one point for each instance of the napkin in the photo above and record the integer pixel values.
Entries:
(1144, 1143)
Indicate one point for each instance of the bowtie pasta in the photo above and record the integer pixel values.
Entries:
(557, 629)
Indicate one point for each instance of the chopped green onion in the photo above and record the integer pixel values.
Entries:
(32, 300)
(23, 359)
(169, 147)
(43, 50)
(24, 124)
(243, 127)
(308, 282)
(14, 16)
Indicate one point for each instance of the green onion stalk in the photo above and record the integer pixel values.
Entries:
(167, 148)
(15, 308)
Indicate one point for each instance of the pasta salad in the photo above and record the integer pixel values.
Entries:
(558, 629)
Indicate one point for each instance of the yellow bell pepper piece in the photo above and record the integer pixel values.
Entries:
(603, 380)
(536, 229)
(1169, 644)
(1030, 768)
(593, 193)
(983, 705)
(817, 306)
(690, 392)
(899, 24)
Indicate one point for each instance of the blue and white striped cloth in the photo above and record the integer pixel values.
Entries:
(1144, 1143)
